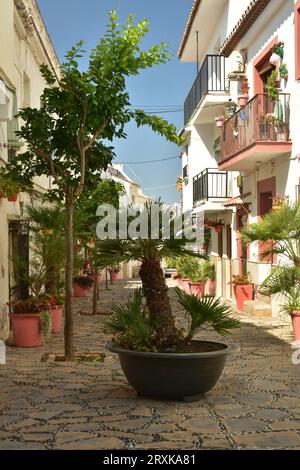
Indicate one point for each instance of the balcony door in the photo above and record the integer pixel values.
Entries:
(266, 191)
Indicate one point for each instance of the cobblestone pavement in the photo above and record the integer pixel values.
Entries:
(61, 405)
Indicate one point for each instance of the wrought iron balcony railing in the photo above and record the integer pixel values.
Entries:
(211, 78)
(260, 121)
(210, 184)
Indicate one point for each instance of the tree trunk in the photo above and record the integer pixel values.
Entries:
(69, 335)
(95, 293)
(158, 302)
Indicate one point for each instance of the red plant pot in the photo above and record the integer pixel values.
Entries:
(243, 100)
(219, 122)
(12, 198)
(211, 287)
(26, 329)
(113, 276)
(243, 293)
(295, 315)
(99, 278)
(56, 317)
(197, 288)
(79, 291)
(185, 284)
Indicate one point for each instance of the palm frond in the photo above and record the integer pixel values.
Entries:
(281, 279)
(206, 310)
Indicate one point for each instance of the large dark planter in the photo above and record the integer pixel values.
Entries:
(174, 376)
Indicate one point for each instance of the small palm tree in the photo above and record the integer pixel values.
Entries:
(150, 252)
(281, 228)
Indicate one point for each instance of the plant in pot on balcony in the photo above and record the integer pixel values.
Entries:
(81, 285)
(271, 87)
(283, 227)
(243, 289)
(31, 322)
(244, 97)
(9, 188)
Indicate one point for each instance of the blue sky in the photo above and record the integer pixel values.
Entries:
(163, 86)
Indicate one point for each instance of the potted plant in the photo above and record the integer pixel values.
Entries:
(291, 307)
(157, 358)
(243, 289)
(57, 305)
(229, 108)
(220, 121)
(284, 72)
(198, 280)
(9, 188)
(179, 184)
(81, 285)
(244, 97)
(210, 271)
(188, 267)
(113, 273)
(31, 321)
(271, 87)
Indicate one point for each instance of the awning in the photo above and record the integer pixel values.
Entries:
(236, 201)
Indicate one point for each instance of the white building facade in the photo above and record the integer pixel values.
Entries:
(24, 46)
(235, 172)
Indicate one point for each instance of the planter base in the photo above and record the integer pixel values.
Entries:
(172, 376)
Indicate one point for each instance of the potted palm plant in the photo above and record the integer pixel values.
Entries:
(31, 322)
(243, 289)
(156, 357)
(56, 309)
(291, 307)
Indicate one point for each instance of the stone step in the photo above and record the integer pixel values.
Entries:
(263, 299)
(253, 308)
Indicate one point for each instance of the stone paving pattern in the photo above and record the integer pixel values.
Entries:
(63, 405)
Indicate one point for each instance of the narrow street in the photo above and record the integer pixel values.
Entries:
(89, 405)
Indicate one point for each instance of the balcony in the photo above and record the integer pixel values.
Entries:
(210, 184)
(211, 78)
(256, 133)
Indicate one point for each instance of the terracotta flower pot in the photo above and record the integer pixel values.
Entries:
(113, 275)
(12, 198)
(211, 287)
(243, 100)
(197, 288)
(56, 316)
(219, 122)
(79, 291)
(243, 293)
(295, 316)
(26, 330)
(185, 284)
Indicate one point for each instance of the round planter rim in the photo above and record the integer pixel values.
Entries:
(24, 315)
(112, 347)
(294, 313)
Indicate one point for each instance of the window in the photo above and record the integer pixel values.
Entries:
(13, 127)
(185, 172)
(26, 90)
(297, 39)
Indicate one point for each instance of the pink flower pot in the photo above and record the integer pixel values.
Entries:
(12, 198)
(79, 291)
(185, 284)
(295, 315)
(242, 293)
(26, 330)
(243, 100)
(56, 317)
(211, 287)
(113, 275)
(197, 288)
(219, 122)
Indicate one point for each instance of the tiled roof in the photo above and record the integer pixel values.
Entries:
(188, 26)
(250, 15)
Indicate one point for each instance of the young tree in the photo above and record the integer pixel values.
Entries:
(68, 137)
